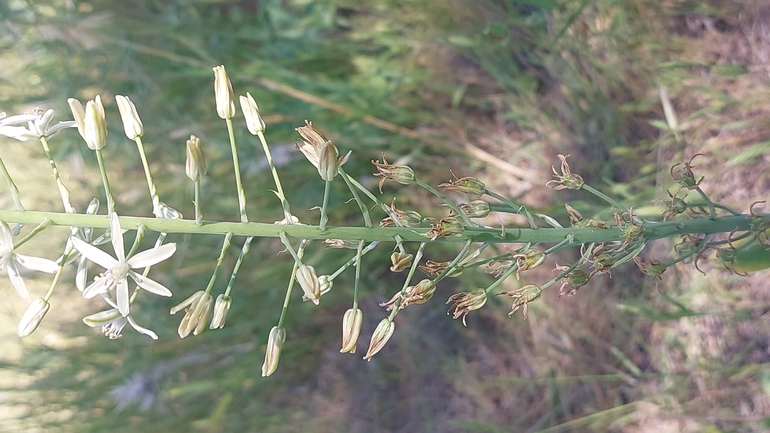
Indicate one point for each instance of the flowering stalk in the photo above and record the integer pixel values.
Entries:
(63, 191)
(12, 186)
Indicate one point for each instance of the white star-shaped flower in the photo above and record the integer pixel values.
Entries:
(112, 324)
(119, 267)
(37, 125)
(10, 260)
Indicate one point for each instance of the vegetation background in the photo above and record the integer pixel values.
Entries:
(489, 88)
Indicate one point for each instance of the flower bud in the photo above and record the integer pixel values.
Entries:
(328, 162)
(274, 346)
(132, 124)
(79, 114)
(223, 91)
(95, 130)
(381, 335)
(33, 316)
(221, 307)
(351, 328)
(254, 121)
(320, 151)
(307, 279)
(197, 308)
(195, 165)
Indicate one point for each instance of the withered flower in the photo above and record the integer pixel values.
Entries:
(631, 225)
(418, 294)
(684, 175)
(407, 218)
(341, 243)
(674, 207)
(449, 226)
(468, 185)
(567, 179)
(653, 268)
(529, 259)
(475, 209)
(381, 335)
(435, 269)
(320, 151)
(465, 302)
(573, 281)
(399, 173)
(577, 221)
(521, 297)
(400, 261)
(497, 268)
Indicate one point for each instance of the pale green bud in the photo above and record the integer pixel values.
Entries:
(307, 279)
(95, 129)
(250, 109)
(223, 92)
(195, 164)
(221, 307)
(351, 328)
(79, 114)
(33, 316)
(132, 124)
(381, 335)
(273, 353)
(197, 308)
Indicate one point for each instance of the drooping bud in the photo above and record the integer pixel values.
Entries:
(250, 109)
(223, 92)
(95, 129)
(197, 308)
(132, 124)
(33, 316)
(307, 279)
(195, 164)
(351, 328)
(273, 353)
(221, 307)
(381, 335)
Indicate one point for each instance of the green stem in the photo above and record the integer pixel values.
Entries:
(454, 262)
(220, 260)
(286, 299)
(244, 251)
(324, 218)
(519, 209)
(350, 262)
(276, 179)
(63, 191)
(602, 196)
(40, 227)
(105, 182)
(357, 198)
(446, 201)
(148, 176)
(57, 276)
(12, 186)
(708, 201)
(198, 213)
(237, 170)
(417, 258)
(359, 254)
(652, 230)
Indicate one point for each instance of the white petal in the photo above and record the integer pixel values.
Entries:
(95, 254)
(19, 119)
(17, 132)
(99, 286)
(6, 237)
(152, 256)
(150, 285)
(141, 329)
(81, 275)
(36, 263)
(101, 318)
(121, 293)
(18, 283)
(117, 237)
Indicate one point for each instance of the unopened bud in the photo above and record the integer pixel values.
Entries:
(273, 353)
(307, 279)
(33, 316)
(250, 109)
(197, 308)
(328, 162)
(95, 130)
(381, 335)
(221, 307)
(132, 124)
(223, 92)
(351, 328)
(195, 165)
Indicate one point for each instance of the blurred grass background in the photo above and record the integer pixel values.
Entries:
(490, 88)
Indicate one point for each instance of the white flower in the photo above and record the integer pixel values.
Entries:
(37, 126)
(10, 259)
(112, 323)
(119, 268)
